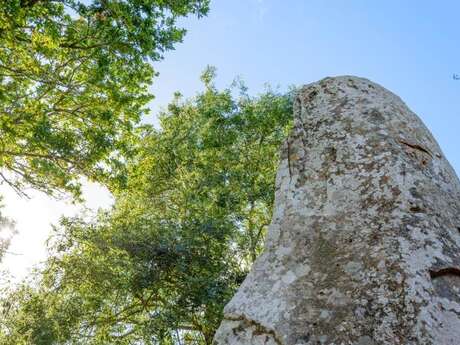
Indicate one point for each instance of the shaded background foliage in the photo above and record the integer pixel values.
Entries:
(159, 267)
(192, 199)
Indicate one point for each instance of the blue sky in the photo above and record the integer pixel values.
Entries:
(410, 47)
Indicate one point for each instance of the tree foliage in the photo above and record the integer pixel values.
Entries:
(74, 79)
(159, 267)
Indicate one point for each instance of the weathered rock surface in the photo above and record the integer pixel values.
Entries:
(364, 243)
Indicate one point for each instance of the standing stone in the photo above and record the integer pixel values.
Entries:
(363, 247)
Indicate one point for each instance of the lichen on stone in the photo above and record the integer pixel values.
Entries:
(363, 248)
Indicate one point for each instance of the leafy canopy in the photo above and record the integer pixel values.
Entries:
(159, 267)
(73, 83)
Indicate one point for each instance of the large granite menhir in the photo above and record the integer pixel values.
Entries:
(363, 248)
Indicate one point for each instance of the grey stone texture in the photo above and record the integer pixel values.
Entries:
(363, 247)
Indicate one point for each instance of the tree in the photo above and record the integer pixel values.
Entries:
(159, 267)
(73, 85)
